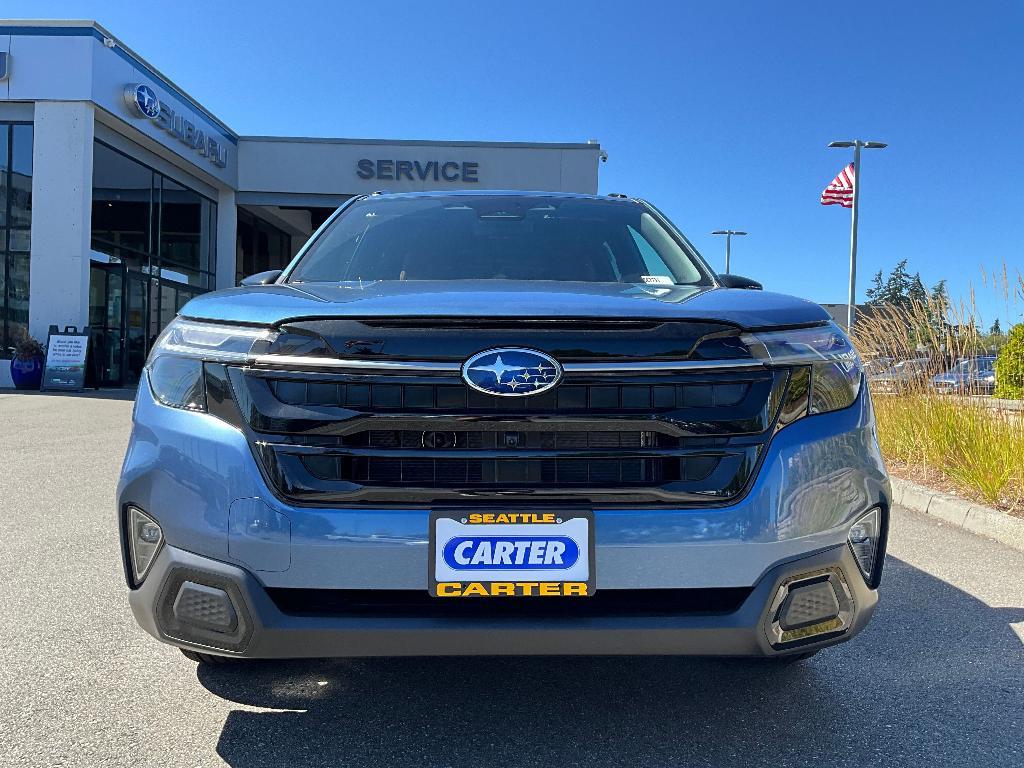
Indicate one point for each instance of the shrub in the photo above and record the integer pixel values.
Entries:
(1010, 366)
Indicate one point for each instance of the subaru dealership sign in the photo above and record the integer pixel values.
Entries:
(142, 102)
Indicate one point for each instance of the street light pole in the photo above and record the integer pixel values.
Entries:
(857, 144)
(728, 243)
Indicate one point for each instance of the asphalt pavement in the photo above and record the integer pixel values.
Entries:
(937, 679)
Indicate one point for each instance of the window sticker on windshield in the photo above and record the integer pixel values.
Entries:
(657, 280)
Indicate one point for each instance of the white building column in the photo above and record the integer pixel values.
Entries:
(227, 225)
(62, 144)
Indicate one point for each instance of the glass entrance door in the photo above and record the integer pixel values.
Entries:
(136, 326)
(119, 321)
(106, 305)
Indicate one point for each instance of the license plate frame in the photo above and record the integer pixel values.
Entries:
(511, 573)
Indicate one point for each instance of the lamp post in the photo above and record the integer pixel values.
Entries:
(858, 145)
(728, 243)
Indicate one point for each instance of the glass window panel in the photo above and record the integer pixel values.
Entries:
(20, 240)
(275, 254)
(121, 198)
(5, 133)
(4, 341)
(168, 305)
(262, 262)
(211, 228)
(21, 176)
(114, 301)
(244, 253)
(183, 299)
(181, 224)
(137, 329)
(97, 297)
(109, 352)
(17, 295)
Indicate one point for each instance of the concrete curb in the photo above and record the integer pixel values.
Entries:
(968, 515)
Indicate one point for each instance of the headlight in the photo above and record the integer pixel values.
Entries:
(175, 365)
(835, 369)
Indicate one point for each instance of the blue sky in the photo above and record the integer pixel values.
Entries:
(719, 112)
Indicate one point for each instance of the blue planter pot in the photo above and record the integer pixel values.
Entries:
(27, 374)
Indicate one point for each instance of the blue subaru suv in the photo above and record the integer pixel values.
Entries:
(501, 423)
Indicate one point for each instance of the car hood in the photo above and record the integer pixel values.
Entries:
(275, 304)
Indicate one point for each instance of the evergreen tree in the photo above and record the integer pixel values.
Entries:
(876, 292)
(996, 329)
(939, 308)
(897, 287)
(917, 294)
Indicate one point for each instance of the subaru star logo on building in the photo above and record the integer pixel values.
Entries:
(511, 372)
(142, 100)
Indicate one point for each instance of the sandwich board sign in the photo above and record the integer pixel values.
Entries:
(66, 353)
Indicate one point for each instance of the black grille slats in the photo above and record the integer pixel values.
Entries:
(456, 397)
(560, 472)
(601, 437)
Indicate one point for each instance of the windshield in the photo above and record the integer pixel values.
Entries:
(495, 237)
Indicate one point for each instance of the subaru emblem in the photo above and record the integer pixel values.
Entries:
(142, 100)
(511, 372)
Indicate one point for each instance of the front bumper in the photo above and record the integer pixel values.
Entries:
(262, 630)
(196, 475)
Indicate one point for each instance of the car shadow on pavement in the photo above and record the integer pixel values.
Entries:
(936, 679)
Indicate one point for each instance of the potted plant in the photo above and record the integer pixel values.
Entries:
(27, 364)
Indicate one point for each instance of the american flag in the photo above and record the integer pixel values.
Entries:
(840, 191)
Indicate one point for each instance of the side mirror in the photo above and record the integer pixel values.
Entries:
(736, 281)
(262, 278)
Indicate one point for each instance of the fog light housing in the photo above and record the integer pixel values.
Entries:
(809, 608)
(144, 540)
(809, 603)
(864, 539)
(206, 607)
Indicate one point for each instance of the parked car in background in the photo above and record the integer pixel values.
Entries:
(877, 366)
(902, 376)
(971, 375)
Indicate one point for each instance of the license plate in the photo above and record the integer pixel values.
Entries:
(511, 554)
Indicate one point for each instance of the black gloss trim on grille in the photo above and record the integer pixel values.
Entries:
(567, 339)
(408, 603)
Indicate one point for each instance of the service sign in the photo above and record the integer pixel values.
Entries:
(512, 554)
(66, 353)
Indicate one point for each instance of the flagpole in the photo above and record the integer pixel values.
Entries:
(728, 243)
(857, 144)
(851, 308)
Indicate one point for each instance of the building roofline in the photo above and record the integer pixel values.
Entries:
(95, 29)
(98, 31)
(425, 142)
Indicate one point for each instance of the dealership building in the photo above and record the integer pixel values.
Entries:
(121, 197)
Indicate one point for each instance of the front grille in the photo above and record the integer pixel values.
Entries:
(398, 603)
(612, 433)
